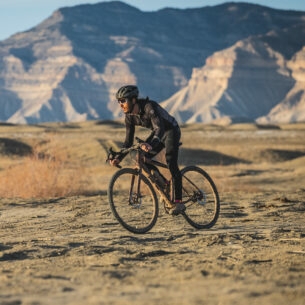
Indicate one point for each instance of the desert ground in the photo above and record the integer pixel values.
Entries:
(60, 244)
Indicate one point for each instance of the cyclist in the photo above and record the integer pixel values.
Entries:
(165, 134)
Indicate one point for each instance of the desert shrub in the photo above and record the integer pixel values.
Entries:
(42, 175)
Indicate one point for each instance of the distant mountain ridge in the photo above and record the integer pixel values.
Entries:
(260, 78)
(69, 67)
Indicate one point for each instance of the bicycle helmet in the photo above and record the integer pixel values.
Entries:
(128, 92)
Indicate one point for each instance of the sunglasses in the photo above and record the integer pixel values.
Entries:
(123, 101)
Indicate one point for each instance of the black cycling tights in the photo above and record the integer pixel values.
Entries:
(170, 141)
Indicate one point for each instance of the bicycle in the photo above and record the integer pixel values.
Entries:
(133, 199)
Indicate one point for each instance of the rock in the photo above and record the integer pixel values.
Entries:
(69, 67)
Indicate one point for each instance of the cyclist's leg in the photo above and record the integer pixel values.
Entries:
(152, 154)
(171, 143)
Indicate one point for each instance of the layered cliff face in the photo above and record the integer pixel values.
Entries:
(44, 81)
(69, 67)
(257, 79)
(291, 109)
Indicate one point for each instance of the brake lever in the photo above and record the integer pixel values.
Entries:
(111, 155)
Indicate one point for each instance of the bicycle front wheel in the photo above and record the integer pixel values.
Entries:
(133, 201)
(201, 198)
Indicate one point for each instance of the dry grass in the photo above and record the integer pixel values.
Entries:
(69, 159)
(43, 174)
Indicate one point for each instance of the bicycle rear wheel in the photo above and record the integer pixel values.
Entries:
(201, 198)
(136, 209)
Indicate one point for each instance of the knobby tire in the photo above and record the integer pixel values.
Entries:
(137, 216)
(203, 210)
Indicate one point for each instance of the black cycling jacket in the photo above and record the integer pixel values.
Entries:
(151, 116)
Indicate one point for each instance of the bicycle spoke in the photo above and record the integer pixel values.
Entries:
(200, 197)
(133, 202)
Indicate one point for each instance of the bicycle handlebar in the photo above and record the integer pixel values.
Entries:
(113, 154)
(133, 147)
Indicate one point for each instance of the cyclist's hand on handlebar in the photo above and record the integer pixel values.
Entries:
(146, 147)
(114, 162)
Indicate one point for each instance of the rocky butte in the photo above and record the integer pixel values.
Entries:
(235, 62)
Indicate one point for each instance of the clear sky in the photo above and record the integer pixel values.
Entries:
(21, 15)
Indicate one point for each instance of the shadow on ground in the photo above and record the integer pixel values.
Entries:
(206, 157)
(279, 155)
(14, 147)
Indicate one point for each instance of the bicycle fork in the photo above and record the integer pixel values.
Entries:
(134, 191)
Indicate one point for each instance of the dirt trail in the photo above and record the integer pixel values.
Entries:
(71, 250)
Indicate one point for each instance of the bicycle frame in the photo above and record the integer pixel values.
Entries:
(200, 197)
(141, 165)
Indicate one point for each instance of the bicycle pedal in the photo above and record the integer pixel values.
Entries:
(178, 209)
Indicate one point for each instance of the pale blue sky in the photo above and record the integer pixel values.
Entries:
(21, 15)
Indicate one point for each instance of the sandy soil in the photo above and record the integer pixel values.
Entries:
(72, 251)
